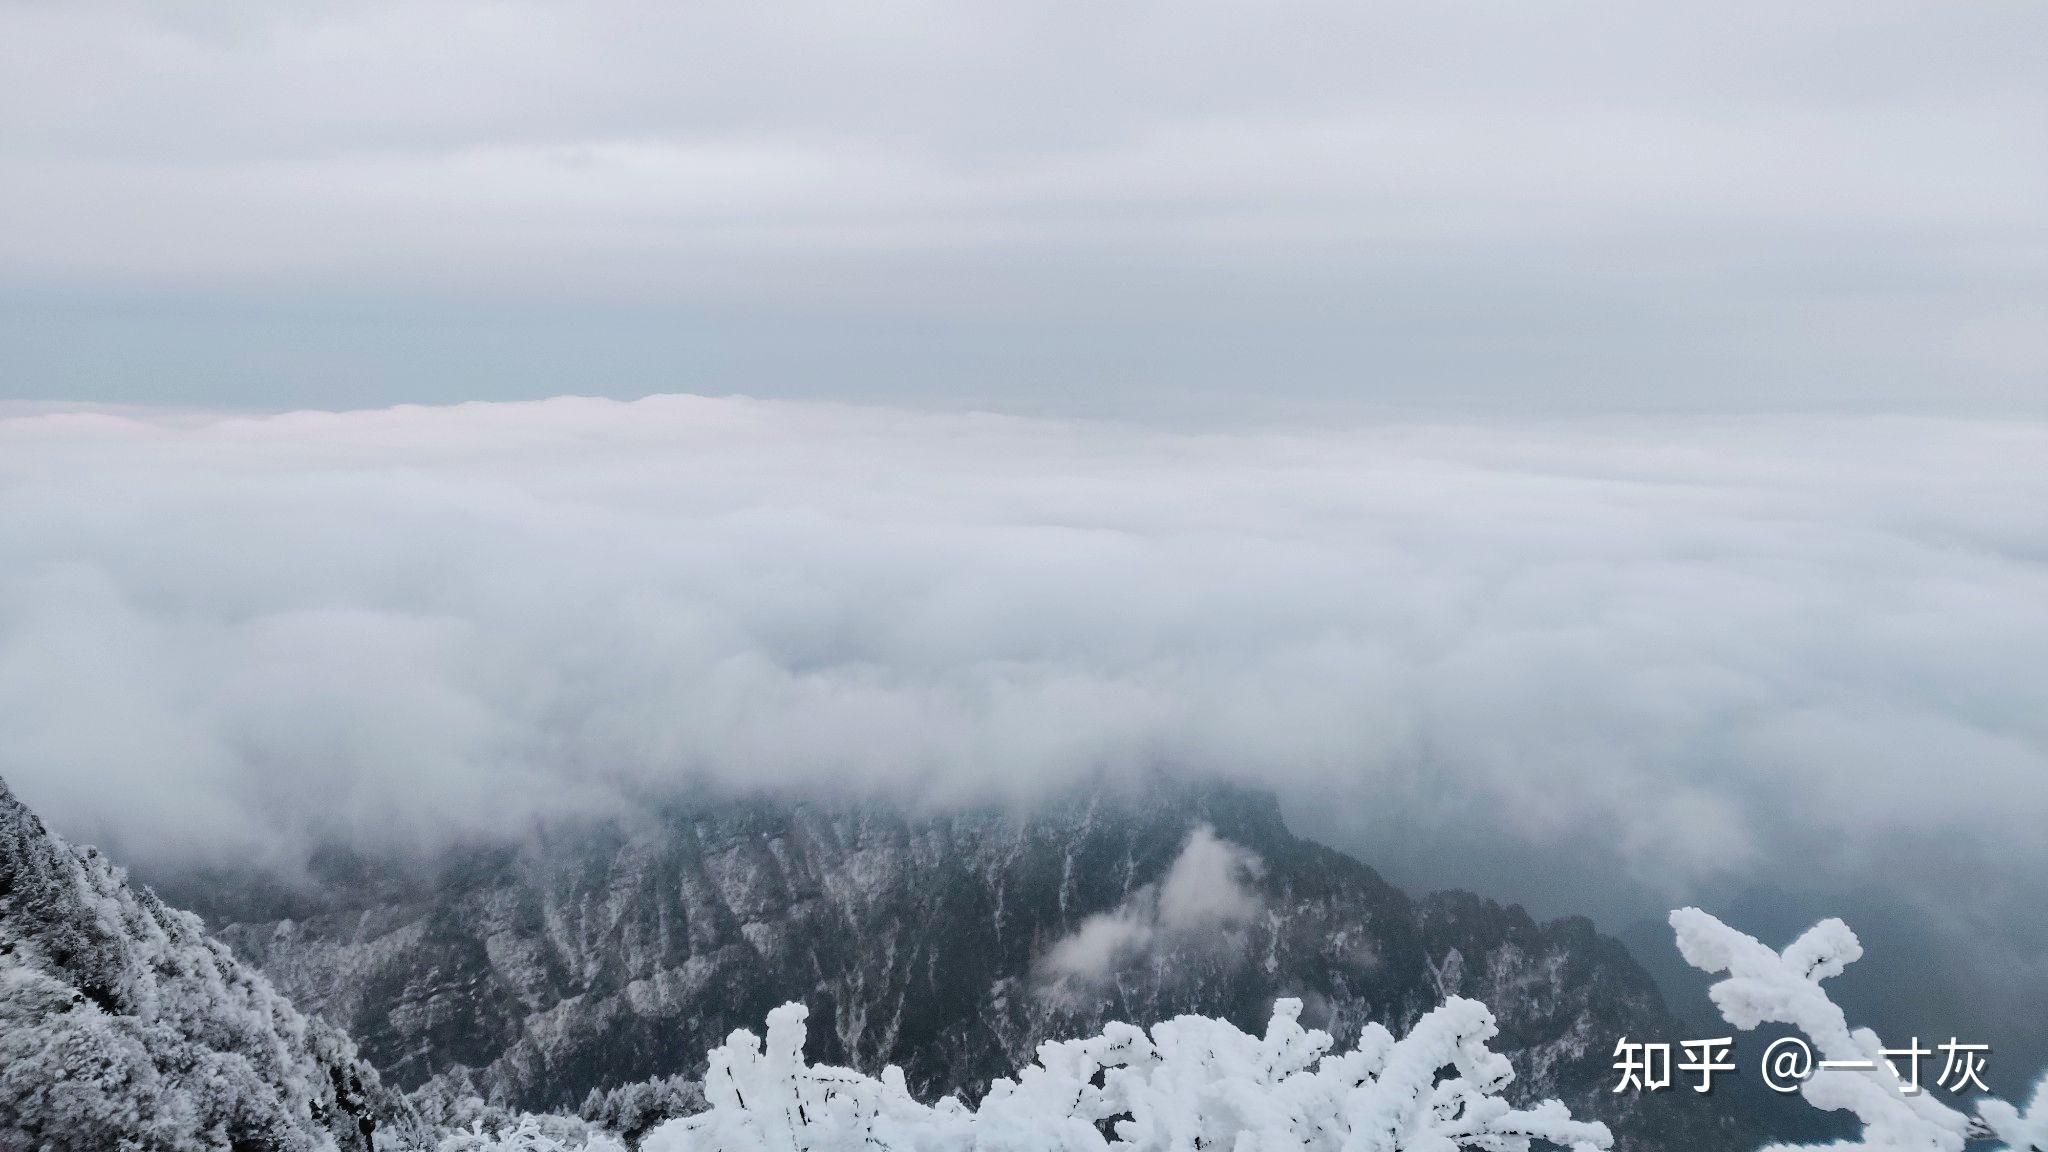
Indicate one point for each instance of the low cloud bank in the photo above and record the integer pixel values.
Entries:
(1683, 649)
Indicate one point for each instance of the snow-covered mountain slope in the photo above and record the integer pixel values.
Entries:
(123, 1025)
(951, 944)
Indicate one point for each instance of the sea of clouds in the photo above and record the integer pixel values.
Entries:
(1681, 649)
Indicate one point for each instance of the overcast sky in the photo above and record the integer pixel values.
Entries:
(1187, 210)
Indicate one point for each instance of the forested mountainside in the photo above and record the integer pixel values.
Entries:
(123, 1025)
(951, 944)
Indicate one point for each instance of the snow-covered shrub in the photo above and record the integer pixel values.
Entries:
(449, 1102)
(1765, 986)
(631, 1109)
(1193, 1082)
(530, 1133)
(464, 1121)
(123, 1025)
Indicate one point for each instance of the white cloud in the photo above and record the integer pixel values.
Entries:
(1205, 895)
(1683, 649)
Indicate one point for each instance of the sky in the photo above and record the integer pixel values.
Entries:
(1198, 211)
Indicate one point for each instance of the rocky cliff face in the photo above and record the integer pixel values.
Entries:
(950, 944)
(122, 1025)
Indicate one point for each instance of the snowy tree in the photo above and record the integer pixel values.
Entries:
(1766, 986)
(631, 1109)
(123, 1025)
(529, 1133)
(1192, 1083)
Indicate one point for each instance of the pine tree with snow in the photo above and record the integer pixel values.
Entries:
(631, 1109)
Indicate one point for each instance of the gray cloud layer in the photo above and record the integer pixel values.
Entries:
(1586, 205)
(1679, 650)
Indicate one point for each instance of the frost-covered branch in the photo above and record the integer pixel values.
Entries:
(527, 1134)
(1764, 986)
(1192, 1083)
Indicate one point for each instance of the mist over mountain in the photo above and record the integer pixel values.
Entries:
(1591, 666)
(949, 943)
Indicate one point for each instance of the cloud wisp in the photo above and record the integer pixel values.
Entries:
(1204, 898)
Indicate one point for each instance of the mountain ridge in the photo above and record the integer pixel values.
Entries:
(123, 1024)
(607, 952)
